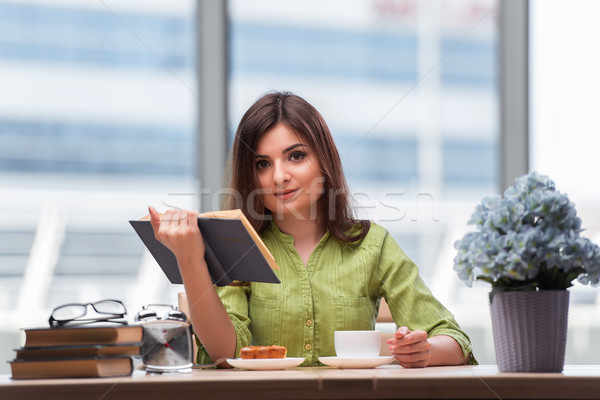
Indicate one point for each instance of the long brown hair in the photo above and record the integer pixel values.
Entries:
(303, 119)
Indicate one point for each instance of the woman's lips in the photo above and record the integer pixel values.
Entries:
(286, 194)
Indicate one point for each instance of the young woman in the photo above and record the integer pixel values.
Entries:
(286, 176)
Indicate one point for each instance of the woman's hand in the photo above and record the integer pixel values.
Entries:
(178, 231)
(411, 349)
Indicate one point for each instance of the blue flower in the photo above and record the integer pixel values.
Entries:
(529, 237)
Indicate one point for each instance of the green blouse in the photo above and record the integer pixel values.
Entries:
(339, 289)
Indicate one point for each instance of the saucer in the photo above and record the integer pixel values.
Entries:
(261, 364)
(344, 362)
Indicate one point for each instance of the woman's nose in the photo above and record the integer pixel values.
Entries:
(280, 174)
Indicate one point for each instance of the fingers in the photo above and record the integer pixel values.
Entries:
(178, 230)
(414, 337)
(154, 219)
(154, 215)
(417, 360)
(172, 216)
(175, 218)
(405, 336)
(183, 222)
(172, 222)
(401, 332)
(192, 219)
(411, 349)
(166, 225)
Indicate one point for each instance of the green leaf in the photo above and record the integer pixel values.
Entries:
(556, 279)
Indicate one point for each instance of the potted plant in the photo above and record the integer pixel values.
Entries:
(528, 247)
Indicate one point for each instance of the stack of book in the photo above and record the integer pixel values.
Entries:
(77, 352)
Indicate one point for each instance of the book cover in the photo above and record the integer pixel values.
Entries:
(72, 368)
(234, 251)
(50, 352)
(82, 335)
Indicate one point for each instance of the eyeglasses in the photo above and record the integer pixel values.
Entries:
(107, 310)
(147, 313)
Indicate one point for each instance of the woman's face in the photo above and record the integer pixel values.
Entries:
(289, 174)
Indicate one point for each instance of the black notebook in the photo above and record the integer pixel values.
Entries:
(233, 249)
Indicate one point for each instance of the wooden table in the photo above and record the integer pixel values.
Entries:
(388, 382)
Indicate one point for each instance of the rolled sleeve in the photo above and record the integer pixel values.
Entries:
(411, 302)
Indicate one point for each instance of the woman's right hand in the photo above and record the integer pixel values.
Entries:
(178, 231)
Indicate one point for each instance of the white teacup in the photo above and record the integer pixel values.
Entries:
(357, 344)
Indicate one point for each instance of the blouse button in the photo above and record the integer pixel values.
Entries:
(308, 346)
(309, 322)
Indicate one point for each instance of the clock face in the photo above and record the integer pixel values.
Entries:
(167, 345)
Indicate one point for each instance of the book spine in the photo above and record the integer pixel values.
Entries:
(215, 268)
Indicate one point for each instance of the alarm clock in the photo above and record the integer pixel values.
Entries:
(167, 344)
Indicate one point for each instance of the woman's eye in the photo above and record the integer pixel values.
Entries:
(297, 155)
(262, 164)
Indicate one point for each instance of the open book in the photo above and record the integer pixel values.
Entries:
(233, 249)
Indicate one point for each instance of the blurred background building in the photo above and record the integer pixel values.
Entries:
(99, 119)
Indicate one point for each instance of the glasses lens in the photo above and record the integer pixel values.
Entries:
(110, 307)
(69, 312)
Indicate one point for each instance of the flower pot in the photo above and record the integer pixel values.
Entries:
(530, 330)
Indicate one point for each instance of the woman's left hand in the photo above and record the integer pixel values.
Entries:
(410, 348)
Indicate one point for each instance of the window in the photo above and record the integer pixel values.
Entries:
(564, 83)
(97, 122)
(408, 89)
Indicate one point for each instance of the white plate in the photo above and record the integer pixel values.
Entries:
(266, 363)
(342, 362)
